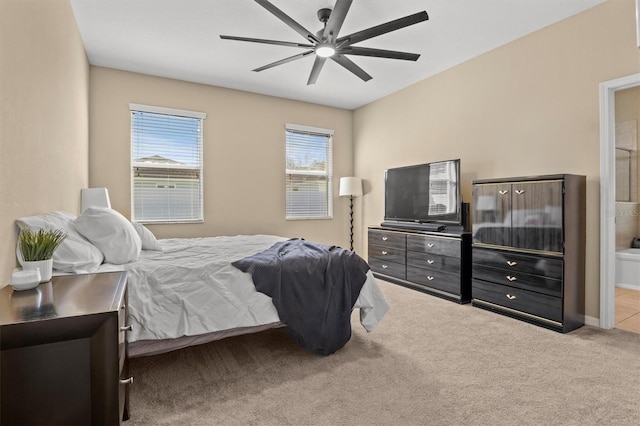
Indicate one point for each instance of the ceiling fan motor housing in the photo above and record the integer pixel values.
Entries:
(323, 14)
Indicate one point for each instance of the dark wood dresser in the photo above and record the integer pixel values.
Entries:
(438, 263)
(529, 238)
(63, 352)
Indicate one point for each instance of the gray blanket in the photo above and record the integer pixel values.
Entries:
(314, 288)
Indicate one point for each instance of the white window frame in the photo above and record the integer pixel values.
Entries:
(296, 128)
(172, 112)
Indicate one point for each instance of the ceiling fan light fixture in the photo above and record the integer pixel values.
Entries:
(325, 50)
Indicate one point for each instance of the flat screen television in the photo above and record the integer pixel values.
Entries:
(424, 194)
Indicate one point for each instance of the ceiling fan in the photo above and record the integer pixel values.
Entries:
(326, 43)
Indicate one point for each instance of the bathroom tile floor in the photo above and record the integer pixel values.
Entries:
(627, 310)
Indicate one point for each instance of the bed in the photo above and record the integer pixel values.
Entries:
(182, 291)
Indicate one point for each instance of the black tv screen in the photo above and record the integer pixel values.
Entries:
(424, 193)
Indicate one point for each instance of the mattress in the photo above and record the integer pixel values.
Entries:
(189, 293)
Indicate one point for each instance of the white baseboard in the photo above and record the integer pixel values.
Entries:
(629, 286)
(592, 321)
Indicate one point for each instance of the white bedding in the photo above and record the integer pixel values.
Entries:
(190, 288)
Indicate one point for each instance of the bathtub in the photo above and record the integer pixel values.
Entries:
(628, 268)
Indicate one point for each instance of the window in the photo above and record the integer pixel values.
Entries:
(166, 165)
(309, 172)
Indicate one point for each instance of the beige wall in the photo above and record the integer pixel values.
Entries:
(244, 155)
(44, 85)
(628, 104)
(530, 107)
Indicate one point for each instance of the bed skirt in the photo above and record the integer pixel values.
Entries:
(155, 347)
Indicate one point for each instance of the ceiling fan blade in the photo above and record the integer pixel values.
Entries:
(283, 61)
(378, 53)
(336, 19)
(288, 20)
(315, 71)
(382, 29)
(266, 41)
(351, 66)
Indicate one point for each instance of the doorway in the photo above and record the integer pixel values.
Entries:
(607, 195)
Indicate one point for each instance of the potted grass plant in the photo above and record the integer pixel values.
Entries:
(36, 249)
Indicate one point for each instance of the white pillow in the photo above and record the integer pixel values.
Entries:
(111, 232)
(75, 254)
(149, 241)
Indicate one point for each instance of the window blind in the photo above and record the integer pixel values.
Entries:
(309, 154)
(166, 165)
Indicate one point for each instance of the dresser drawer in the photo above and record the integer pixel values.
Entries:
(540, 305)
(535, 283)
(517, 262)
(435, 279)
(388, 254)
(387, 239)
(434, 262)
(433, 245)
(388, 268)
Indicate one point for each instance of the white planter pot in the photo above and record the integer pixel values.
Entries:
(44, 266)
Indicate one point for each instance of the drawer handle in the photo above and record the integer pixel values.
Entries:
(511, 263)
(430, 245)
(510, 278)
(128, 381)
(503, 192)
(430, 278)
(126, 328)
(384, 253)
(520, 191)
(384, 266)
(384, 238)
(430, 262)
(511, 296)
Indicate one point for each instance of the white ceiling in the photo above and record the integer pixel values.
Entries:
(180, 39)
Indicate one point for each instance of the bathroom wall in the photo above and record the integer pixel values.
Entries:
(627, 176)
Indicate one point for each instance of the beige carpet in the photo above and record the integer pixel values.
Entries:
(430, 362)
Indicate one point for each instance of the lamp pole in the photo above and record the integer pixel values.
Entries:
(351, 222)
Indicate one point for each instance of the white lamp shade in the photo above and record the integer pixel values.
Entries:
(350, 186)
(95, 197)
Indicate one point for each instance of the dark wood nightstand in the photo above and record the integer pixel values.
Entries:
(63, 352)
